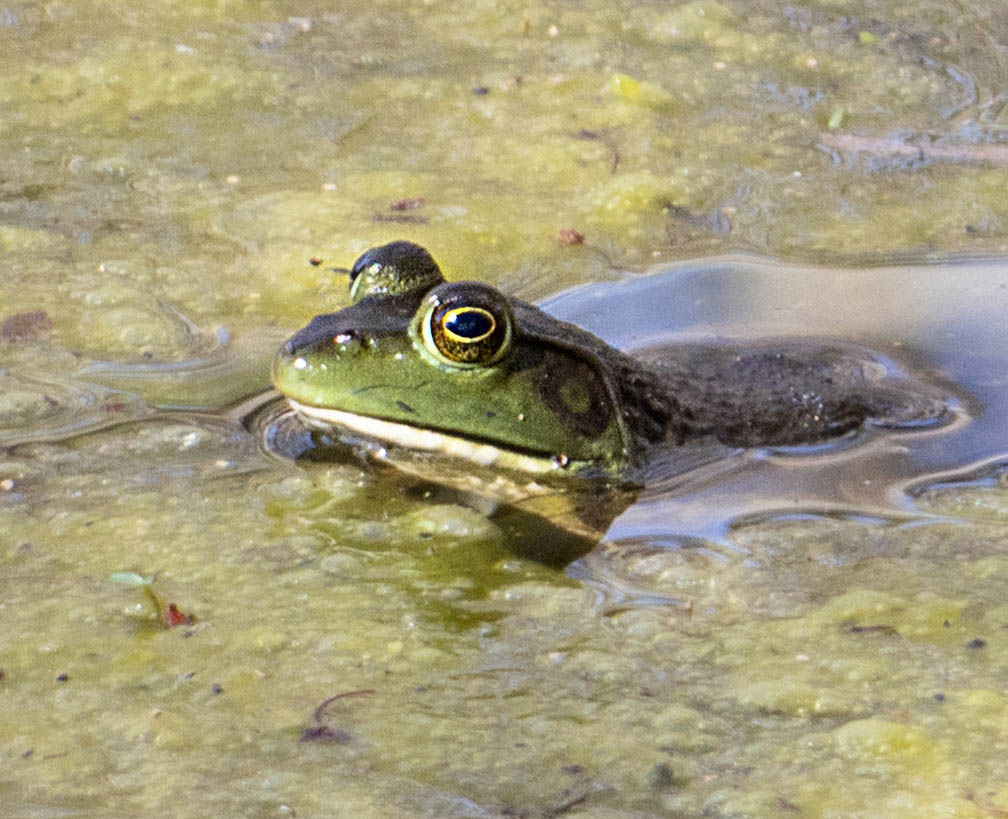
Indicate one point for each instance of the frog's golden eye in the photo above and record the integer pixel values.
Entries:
(466, 324)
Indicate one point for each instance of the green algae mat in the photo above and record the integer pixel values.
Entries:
(193, 626)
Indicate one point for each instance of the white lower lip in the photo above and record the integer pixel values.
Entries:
(416, 438)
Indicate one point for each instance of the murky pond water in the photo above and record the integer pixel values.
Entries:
(800, 616)
(817, 634)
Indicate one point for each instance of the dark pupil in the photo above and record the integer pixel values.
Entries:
(469, 324)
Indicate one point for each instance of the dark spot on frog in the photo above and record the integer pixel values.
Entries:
(64, 677)
(405, 407)
(575, 393)
(977, 643)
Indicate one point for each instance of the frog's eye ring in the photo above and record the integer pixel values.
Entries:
(466, 324)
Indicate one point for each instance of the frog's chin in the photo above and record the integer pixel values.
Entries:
(420, 438)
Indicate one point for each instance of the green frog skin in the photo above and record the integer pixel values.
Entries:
(461, 369)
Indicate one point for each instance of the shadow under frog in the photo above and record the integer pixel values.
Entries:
(493, 403)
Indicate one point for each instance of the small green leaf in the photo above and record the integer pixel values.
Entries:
(836, 118)
(640, 92)
(866, 37)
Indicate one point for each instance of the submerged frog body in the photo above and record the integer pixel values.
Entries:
(460, 368)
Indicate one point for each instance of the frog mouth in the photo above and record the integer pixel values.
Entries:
(422, 438)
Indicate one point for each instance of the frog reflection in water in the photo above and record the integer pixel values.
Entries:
(457, 368)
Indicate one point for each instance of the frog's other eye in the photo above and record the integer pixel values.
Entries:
(466, 324)
(398, 267)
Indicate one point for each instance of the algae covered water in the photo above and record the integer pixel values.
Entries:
(817, 634)
(743, 640)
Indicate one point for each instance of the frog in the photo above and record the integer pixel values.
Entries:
(458, 369)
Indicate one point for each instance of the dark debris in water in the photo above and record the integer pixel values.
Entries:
(30, 325)
(876, 629)
(322, 731)
(410, 203)
(400, 218)
(663, 777)
(567, 237)
(399, 212)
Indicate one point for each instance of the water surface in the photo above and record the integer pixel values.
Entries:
(174, 187)
(803, 610)
(938, 324)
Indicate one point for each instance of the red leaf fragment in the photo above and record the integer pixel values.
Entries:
(175, 617)
(411, 203)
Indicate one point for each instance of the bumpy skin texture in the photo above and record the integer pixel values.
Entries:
(801, 395)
